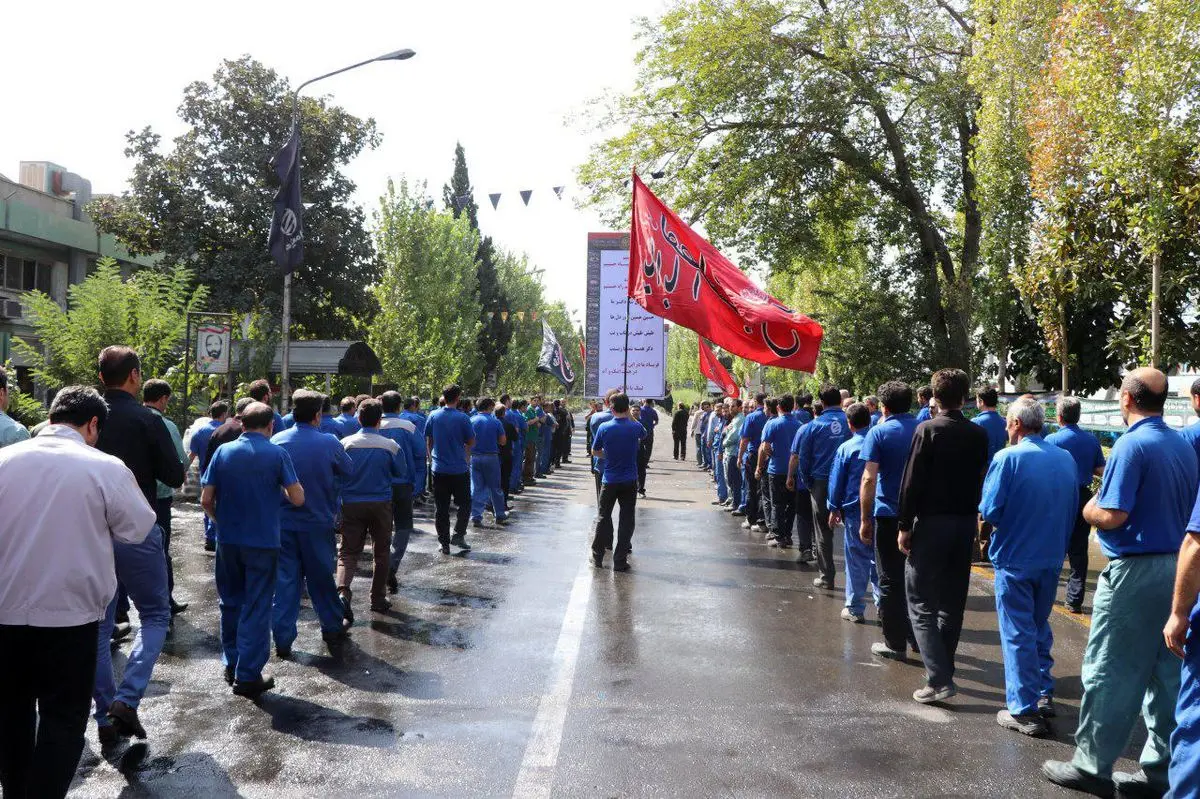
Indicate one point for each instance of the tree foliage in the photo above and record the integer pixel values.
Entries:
(147, 312)
(206, 201)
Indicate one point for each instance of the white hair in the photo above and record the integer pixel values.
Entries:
(1029, 413)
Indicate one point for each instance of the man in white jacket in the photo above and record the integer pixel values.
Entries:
(64, 503)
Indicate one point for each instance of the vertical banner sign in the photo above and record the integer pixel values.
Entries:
(608, 309)
(212, 348)
(553, 361)
(286, 241)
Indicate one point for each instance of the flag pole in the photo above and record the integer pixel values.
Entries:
(625, 379)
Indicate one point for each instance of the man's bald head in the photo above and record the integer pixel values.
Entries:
(258, 417)
(1147, 390)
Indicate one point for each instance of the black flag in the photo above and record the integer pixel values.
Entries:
(495, 198)
(526, 194)
(553, 362)
(286, 241)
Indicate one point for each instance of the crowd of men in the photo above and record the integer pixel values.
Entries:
(289, 502)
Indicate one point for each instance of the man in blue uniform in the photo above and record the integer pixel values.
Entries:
(546, 442)
(412, 413)
(1141, 515)
(260, 391)
(649, 419)
(803, 408)
(996, 428)
(346, 418)
(872, 403)
(1029, 494)
(1191, 432)
(813, 449)
(924, 411)
(752, 429)
(448, 438)
(1182, 636)
(307, 549)
(198, 450)
(404, 433)
(514, 417)
(884, 454)
(329, 423)
(1085, 450)
(241, 489)
(617, 442)
(845, 477)
(488, 433)
(774, 453)
(594, 423)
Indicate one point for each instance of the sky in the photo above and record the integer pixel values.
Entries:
(503, 77)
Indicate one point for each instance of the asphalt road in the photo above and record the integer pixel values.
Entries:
(713, 668)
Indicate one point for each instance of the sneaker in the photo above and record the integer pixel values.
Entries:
(851, 616)
(1030, 724)
(739, 512)
(929, 694)
(806, 556)
(745, 525)
(1138, 784)
(642, 493)
(781, 543)
(758, 528)
(1069, 776)
(716, 502)
(880, 649)
(821, 582)
(502, 521)
(1046, 707)
(1076, 609)
(460, 541)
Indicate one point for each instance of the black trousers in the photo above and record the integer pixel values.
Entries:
(162, 511)
(754, 510)
(402, 522)
(893, 599)
(610, 495)
(783, 507)
(506, 466)
(446, 486)
(804, 518)
(680, 450)
(1077, 552)
(643, 462)
(597, 477)
(47, 674)
(936, 578)
(819, 492)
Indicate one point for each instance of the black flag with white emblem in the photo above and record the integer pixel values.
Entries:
(286, 241)
(553, 362)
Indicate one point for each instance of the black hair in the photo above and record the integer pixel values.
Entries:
(950, 388)
(3, 379)
(370, 411)
(760, 398)
(451, 393)
(620, 403)
(858, 415)
(924, 393)
(896, 396)
(772, 404)
(831, 396)
(306, 405)
(116, 364)
(258, 390)
(218, 408)
(78, 405)
(391, 401)
(786, 403)
(485, 404)
(156, 389)
(347, 405)
(988, 396)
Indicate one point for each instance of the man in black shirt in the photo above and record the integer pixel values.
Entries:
(939, 504)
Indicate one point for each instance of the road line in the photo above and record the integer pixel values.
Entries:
(536, 777)
(1078, 618)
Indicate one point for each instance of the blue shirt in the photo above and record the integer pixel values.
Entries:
(349, 423)
(247, 475)
(198, 445)
(451, 432)
(517, 420)
(404, 433)
(752, 429)
(924, 415)
(1083, 447)
(887, 444)
(487, 430)
(996, 428)
(287, 422)
(802, 416)
(1151, 475)
(594, 423)
(817, 442)
(649, 418)
(779, 432)
(1031, 497)
(378, 462)
(418, 422)
(875, 417)
(846, 476)
(330, 424)
(279, 428)
(321, 465)
(620, 440)
(1191, 434)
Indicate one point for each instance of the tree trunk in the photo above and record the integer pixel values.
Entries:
(1155, 308)
(1066, 350)
(1002, 368)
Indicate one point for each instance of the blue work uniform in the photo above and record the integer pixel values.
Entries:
(247, 476)
(1030, 496)
(1185, 741)
(1191, 434)
(1151, 475)
(888, 444)
(996, 428)
(816, 443)
(330, 424)
(802, 415)
(594, 423)
(649, 418)
(1083, 447)
(924, 415)
(404, 433)
(620, 440)
(287, 422)
(198, 445)
(349, 423)
(845, 476)
(485, 467)
(517, 420)
(448, 433)
(875, 417)
(752, 427)
(779, 432)
(420, 454)
(307, 551)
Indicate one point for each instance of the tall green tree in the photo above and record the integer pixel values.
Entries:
(206, 200)
(758, 108)
(494, 331)
(426, 331)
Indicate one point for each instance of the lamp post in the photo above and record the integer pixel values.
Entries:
(284, 372)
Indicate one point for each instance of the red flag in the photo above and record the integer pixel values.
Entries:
(711, 368)
(582, 353)
(676, 274)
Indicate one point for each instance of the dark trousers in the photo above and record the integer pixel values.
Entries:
(680, 450)
(362, 520)
(823, 533)
(733, 476)
(754, 512)
(446, 486)
(402, 523)
(610, 495)
(643, 463)
(783, 504)
(1077, 552)
(765, 503)
(597, 477)
(936, 578)
(47, 674)
(506, 467)
(893, 599)
(162, 510)
(804, 518)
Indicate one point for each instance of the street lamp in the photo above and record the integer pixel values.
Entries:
(285, 376)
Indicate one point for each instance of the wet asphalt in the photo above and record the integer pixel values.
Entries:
(713, 668)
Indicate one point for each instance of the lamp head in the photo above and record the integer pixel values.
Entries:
(398, 55)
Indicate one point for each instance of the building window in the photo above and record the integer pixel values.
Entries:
(25, 274)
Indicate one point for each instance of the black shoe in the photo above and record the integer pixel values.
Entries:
(283, 652)
(381, 606)
(334, 639)
(598, 560)
(254, 689)
(1076, 609)
(210, 546)
(642, 493)
(229, 674)
(620, 565)
(125, 720)
(1068, 776)
(1046, 707)
(460, 541)
(177, 607)
(347, 610)
(445, 549)
(108, 735)
(782, 543)
(393, 585)
(121, 631)
(1138, 785)
(806, 556)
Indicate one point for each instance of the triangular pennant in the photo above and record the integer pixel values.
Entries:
(521, 315)
(526, 194)
(495, 198)
(558, 190)
(504, 316)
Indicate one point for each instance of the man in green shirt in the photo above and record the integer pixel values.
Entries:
(11, 431)
(155, 396)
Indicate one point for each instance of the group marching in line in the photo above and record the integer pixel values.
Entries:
(278, 492)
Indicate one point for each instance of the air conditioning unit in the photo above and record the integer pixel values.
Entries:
(9, 309)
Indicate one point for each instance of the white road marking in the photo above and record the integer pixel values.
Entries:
(536, 777)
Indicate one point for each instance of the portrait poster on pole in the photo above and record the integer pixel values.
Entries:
(612, 320)
(212, 348)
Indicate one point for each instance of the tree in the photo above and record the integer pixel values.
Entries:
(206, 201)
(758, 108)
(147, 312)
(426, 331)
(494, 331)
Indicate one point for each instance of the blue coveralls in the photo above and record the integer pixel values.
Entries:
(1030, 496)
(307, 549)
(404, 486)
(420, 454)
(1185, 741)
(845, 476)
(198, 446)
(518, 421)
(485, 467)
(247, 475)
